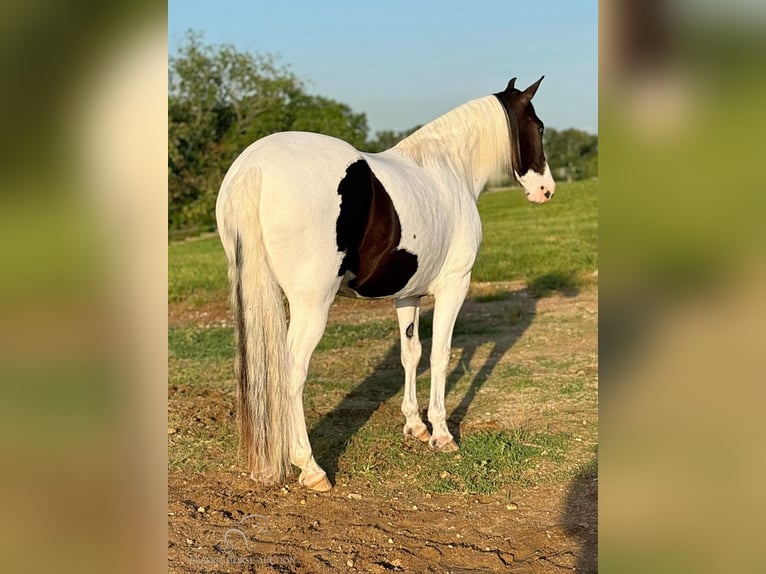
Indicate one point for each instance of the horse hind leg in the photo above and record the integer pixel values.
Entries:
(408, 315)
(308, 318)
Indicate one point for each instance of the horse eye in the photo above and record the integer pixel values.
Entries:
(540, 129)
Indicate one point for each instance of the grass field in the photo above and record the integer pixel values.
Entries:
(529, 252)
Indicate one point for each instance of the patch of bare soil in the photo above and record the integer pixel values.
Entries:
(223, 522)
(214, 314)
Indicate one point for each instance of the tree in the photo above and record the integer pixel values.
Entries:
(571, 153)
(326, 116)
(386, 139)
(220, 101)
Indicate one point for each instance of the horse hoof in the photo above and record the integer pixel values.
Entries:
(322, 485)
(450, 446)
(316, 483)
(422, 435)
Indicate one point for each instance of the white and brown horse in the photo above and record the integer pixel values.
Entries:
(309, 216)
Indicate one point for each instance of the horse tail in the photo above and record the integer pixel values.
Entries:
(261, 360)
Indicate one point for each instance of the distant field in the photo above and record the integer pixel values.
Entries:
(556, 242)
(523, 241)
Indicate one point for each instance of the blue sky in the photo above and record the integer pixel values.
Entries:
(404, 63)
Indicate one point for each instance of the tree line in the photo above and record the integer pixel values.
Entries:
(220, 100)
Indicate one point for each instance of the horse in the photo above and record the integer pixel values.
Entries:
(306, 217)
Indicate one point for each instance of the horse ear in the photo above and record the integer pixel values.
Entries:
(511, 85)
(529, 93)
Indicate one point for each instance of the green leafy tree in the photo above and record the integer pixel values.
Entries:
(326, 116)
(572, 154)
(220, 101)
(386, 139)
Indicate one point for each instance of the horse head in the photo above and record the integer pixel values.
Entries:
(528, 163)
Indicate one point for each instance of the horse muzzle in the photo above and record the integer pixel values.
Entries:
(539, 187)
(543, 194)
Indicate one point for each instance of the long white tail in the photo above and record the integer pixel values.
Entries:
(262, 363)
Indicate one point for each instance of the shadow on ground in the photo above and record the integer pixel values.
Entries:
(333, 432)
(581, 516)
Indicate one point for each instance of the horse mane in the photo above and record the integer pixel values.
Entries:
(473, 139)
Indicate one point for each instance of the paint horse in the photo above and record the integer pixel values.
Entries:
(309, 216)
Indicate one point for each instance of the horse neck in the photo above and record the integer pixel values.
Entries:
(472, 143)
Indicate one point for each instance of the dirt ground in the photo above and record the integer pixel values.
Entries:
(220, 521)
(552, 529)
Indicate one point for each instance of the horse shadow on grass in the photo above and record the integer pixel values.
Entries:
(580, 518)
(512, 312)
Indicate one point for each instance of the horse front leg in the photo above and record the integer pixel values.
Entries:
(447, 305)
(408, 314)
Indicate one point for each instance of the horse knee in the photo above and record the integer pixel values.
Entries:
(439, 361)
(411, 352)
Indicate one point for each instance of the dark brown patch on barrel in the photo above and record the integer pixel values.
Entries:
(368, 231)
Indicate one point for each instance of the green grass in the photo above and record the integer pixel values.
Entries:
(196, 271)
(525, 381)
(488, 460)
(527, 241)
(218, 342)
(200, 344)
(339, 336)
(485, 463)
(201, 356)
(550, 246)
